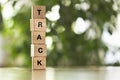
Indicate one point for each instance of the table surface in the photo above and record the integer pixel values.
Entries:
(76, 73)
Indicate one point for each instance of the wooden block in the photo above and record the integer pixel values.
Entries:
(38, 50)
(38, 12)
(39, 62)
(38, 37)
(38, 24)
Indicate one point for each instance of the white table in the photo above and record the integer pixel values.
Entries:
(76, 73)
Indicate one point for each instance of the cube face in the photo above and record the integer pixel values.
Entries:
(38, 50)
(39, 62)
(38, 24)
(38, 12)
(38, 37)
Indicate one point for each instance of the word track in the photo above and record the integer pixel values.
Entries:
(38, 30)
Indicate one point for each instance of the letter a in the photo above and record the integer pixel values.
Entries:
(39, 37)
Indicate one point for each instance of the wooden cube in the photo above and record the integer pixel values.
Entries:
(38, 50)
(39, 62)
(37, 37)
(38, 12)
(38, 24)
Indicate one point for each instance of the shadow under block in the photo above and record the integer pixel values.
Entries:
(38, 24)
(38, 50)
(39, 62)
(38, 12)
(37, 37)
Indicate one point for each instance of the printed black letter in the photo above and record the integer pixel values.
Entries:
(39, 24)
(39, 37)
(38, 12)
(40, 50)
(39, 62)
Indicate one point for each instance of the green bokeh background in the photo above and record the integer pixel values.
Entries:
(68, 48)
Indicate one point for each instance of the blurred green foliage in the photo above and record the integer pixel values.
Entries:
(68, 48)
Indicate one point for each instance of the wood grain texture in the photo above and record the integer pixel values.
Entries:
(39, 50)
(38, 12)
(38, 25)
(39, 62)
(38, 37)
